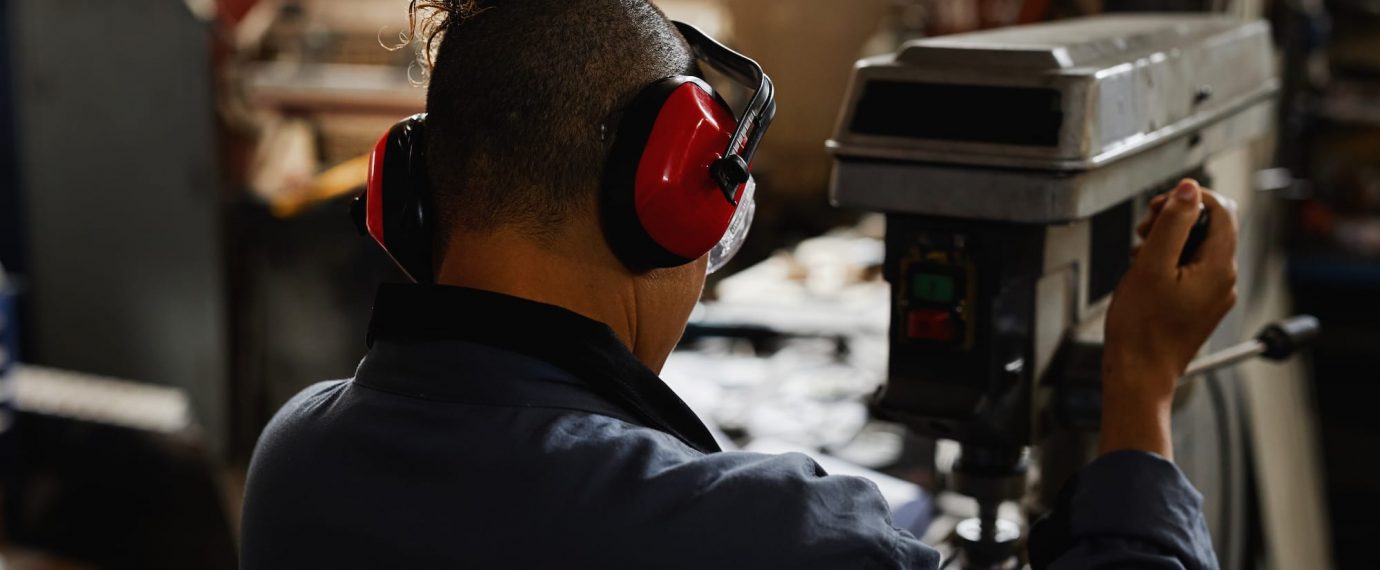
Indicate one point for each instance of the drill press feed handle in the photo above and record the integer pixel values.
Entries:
(1278, 341)
(1286, 337)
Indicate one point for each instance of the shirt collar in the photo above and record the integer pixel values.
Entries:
(587, 349)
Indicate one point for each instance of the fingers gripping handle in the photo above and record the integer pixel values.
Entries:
(1196, 237)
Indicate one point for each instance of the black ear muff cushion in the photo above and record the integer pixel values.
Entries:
(659, 204)
(398, 200)
(626, 236)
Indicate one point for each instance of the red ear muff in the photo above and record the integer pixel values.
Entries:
(661, 206)
(395, 209)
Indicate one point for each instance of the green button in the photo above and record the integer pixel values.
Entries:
(932, 288)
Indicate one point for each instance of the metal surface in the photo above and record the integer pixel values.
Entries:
(1028, 195)
(1139, 99)
(1239, 353)
(122, 196)
(101, 399)
(1125, 83)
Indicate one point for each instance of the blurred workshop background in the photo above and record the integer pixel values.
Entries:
(177, 258)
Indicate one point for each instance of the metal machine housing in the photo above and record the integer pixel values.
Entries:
(1012, 165)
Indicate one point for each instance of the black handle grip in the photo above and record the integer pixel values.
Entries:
(1196, 237)
(1283, 338)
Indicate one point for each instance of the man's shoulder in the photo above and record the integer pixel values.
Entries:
(292, 416)
(788, 508)
(312, 397)
(614, 478)
(314, 394)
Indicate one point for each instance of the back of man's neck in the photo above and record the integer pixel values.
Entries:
(510, 263)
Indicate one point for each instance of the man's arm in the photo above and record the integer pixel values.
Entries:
(1129, 509)
(1132, 508)
(1161, 315)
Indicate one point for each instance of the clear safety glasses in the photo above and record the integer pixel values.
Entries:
(737, 229)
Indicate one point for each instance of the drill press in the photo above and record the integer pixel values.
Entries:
(1012, 165)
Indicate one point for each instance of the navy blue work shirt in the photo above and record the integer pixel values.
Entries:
(487, 431)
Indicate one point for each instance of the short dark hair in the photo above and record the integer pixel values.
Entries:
(518, 92)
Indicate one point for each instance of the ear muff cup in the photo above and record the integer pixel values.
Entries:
(397, 200)
(660, 206)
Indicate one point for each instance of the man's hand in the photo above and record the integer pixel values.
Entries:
(1161, 314)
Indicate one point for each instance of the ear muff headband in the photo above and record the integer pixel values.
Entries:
(395, 209)
(733, 169)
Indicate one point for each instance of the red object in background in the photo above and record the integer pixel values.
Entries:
(1033, 11)
(231, 11)
(931, 324)
(1315, 218)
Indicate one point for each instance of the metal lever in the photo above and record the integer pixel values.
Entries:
(1278, 341)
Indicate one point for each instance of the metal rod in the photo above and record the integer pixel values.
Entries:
(987, 520)
(1226, 357)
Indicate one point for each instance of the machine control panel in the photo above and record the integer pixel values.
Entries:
(932, 325)
(934, 297)
(960, 313)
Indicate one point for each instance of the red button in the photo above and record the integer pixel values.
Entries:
(929, 324)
